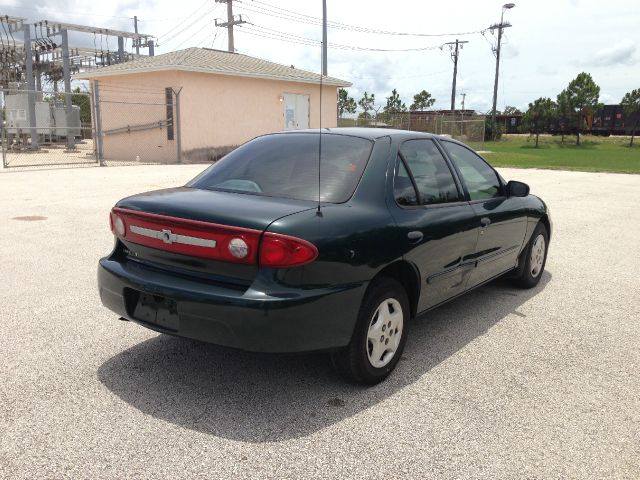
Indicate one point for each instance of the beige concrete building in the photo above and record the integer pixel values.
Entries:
(222, 100)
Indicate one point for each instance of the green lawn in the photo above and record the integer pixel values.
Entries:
(595, 154)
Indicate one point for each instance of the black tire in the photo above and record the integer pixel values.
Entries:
(353, 362)
(526, 276)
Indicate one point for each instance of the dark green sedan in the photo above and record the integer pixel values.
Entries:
(303, 241)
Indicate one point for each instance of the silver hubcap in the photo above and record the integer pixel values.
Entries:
(385, 332)
(537, 255)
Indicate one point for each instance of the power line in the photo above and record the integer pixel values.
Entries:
(92, 14)
(264, 8)
(189, 37)
(219, 32)
(179, 24)
(288, 37)
(278, 15)
(388, 77)
(273, 10)
(215, 36)
(282, 38)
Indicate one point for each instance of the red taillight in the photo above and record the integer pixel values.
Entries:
(282, 251)
(210, 240)
(187, 237)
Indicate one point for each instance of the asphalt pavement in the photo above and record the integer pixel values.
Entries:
(502, 383)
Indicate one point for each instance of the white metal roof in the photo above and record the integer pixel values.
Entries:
(206, 60)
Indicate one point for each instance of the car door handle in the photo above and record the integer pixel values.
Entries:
(415, 236)
(485, 221)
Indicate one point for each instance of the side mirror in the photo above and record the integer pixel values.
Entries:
(517, 189)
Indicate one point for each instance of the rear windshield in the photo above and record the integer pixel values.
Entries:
(286, 165)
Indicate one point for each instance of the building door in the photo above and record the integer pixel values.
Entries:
(296, 111)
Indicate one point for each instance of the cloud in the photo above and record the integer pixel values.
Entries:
(607, 98)
(533, 64)
(510, 50)
(371, 74)
(546, 70)
(622, 53)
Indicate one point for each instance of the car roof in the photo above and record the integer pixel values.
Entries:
(368, 133)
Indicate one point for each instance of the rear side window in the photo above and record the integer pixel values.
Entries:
(430, 172)
(286, 165)
(403, 188)
(480, 179)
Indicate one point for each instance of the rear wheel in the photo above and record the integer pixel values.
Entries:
(379, 336)
(533, 259)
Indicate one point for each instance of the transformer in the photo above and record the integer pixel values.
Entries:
(52, 121)
(17, 111)
(66, 124)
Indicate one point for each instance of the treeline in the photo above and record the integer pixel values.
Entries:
(393, 104)
(571, 106)
(580, 98)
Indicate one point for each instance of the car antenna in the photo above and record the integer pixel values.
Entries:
(319, 213)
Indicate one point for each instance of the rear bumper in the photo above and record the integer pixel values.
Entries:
(292, 320)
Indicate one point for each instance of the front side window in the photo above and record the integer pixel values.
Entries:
(430, 172)
(480, 179)
(286, 165)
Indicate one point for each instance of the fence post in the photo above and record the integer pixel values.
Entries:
(177, 122)
(31, 86)
(3, 132)
(98, 139)
(120, 49)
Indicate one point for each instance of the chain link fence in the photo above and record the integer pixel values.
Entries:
(468, 128)
(41, 128)
(113, 125)
(133, 124)
(468, 131)
(137, 124)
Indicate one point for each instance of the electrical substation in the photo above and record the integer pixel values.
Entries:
(37, 62)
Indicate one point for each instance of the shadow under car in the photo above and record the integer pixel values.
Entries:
(256, 397)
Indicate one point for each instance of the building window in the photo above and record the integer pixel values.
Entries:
(168, 100)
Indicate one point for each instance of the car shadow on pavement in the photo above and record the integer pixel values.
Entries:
(256, 397)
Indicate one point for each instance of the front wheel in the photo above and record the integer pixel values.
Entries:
(379, 336)
(533, 259)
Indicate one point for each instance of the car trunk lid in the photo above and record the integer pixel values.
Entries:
(189, 230)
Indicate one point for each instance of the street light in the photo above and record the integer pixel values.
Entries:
(506, 6)
(501, 26)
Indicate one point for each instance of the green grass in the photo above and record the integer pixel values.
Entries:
(595, 154)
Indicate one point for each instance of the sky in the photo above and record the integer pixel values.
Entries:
(549, 43)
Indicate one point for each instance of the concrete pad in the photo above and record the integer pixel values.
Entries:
(502, 383)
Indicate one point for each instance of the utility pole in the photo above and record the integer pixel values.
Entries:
(231, 21)
(135, 29)
(324, 37)
(500, 26)
(455, 48)
(66, 69)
